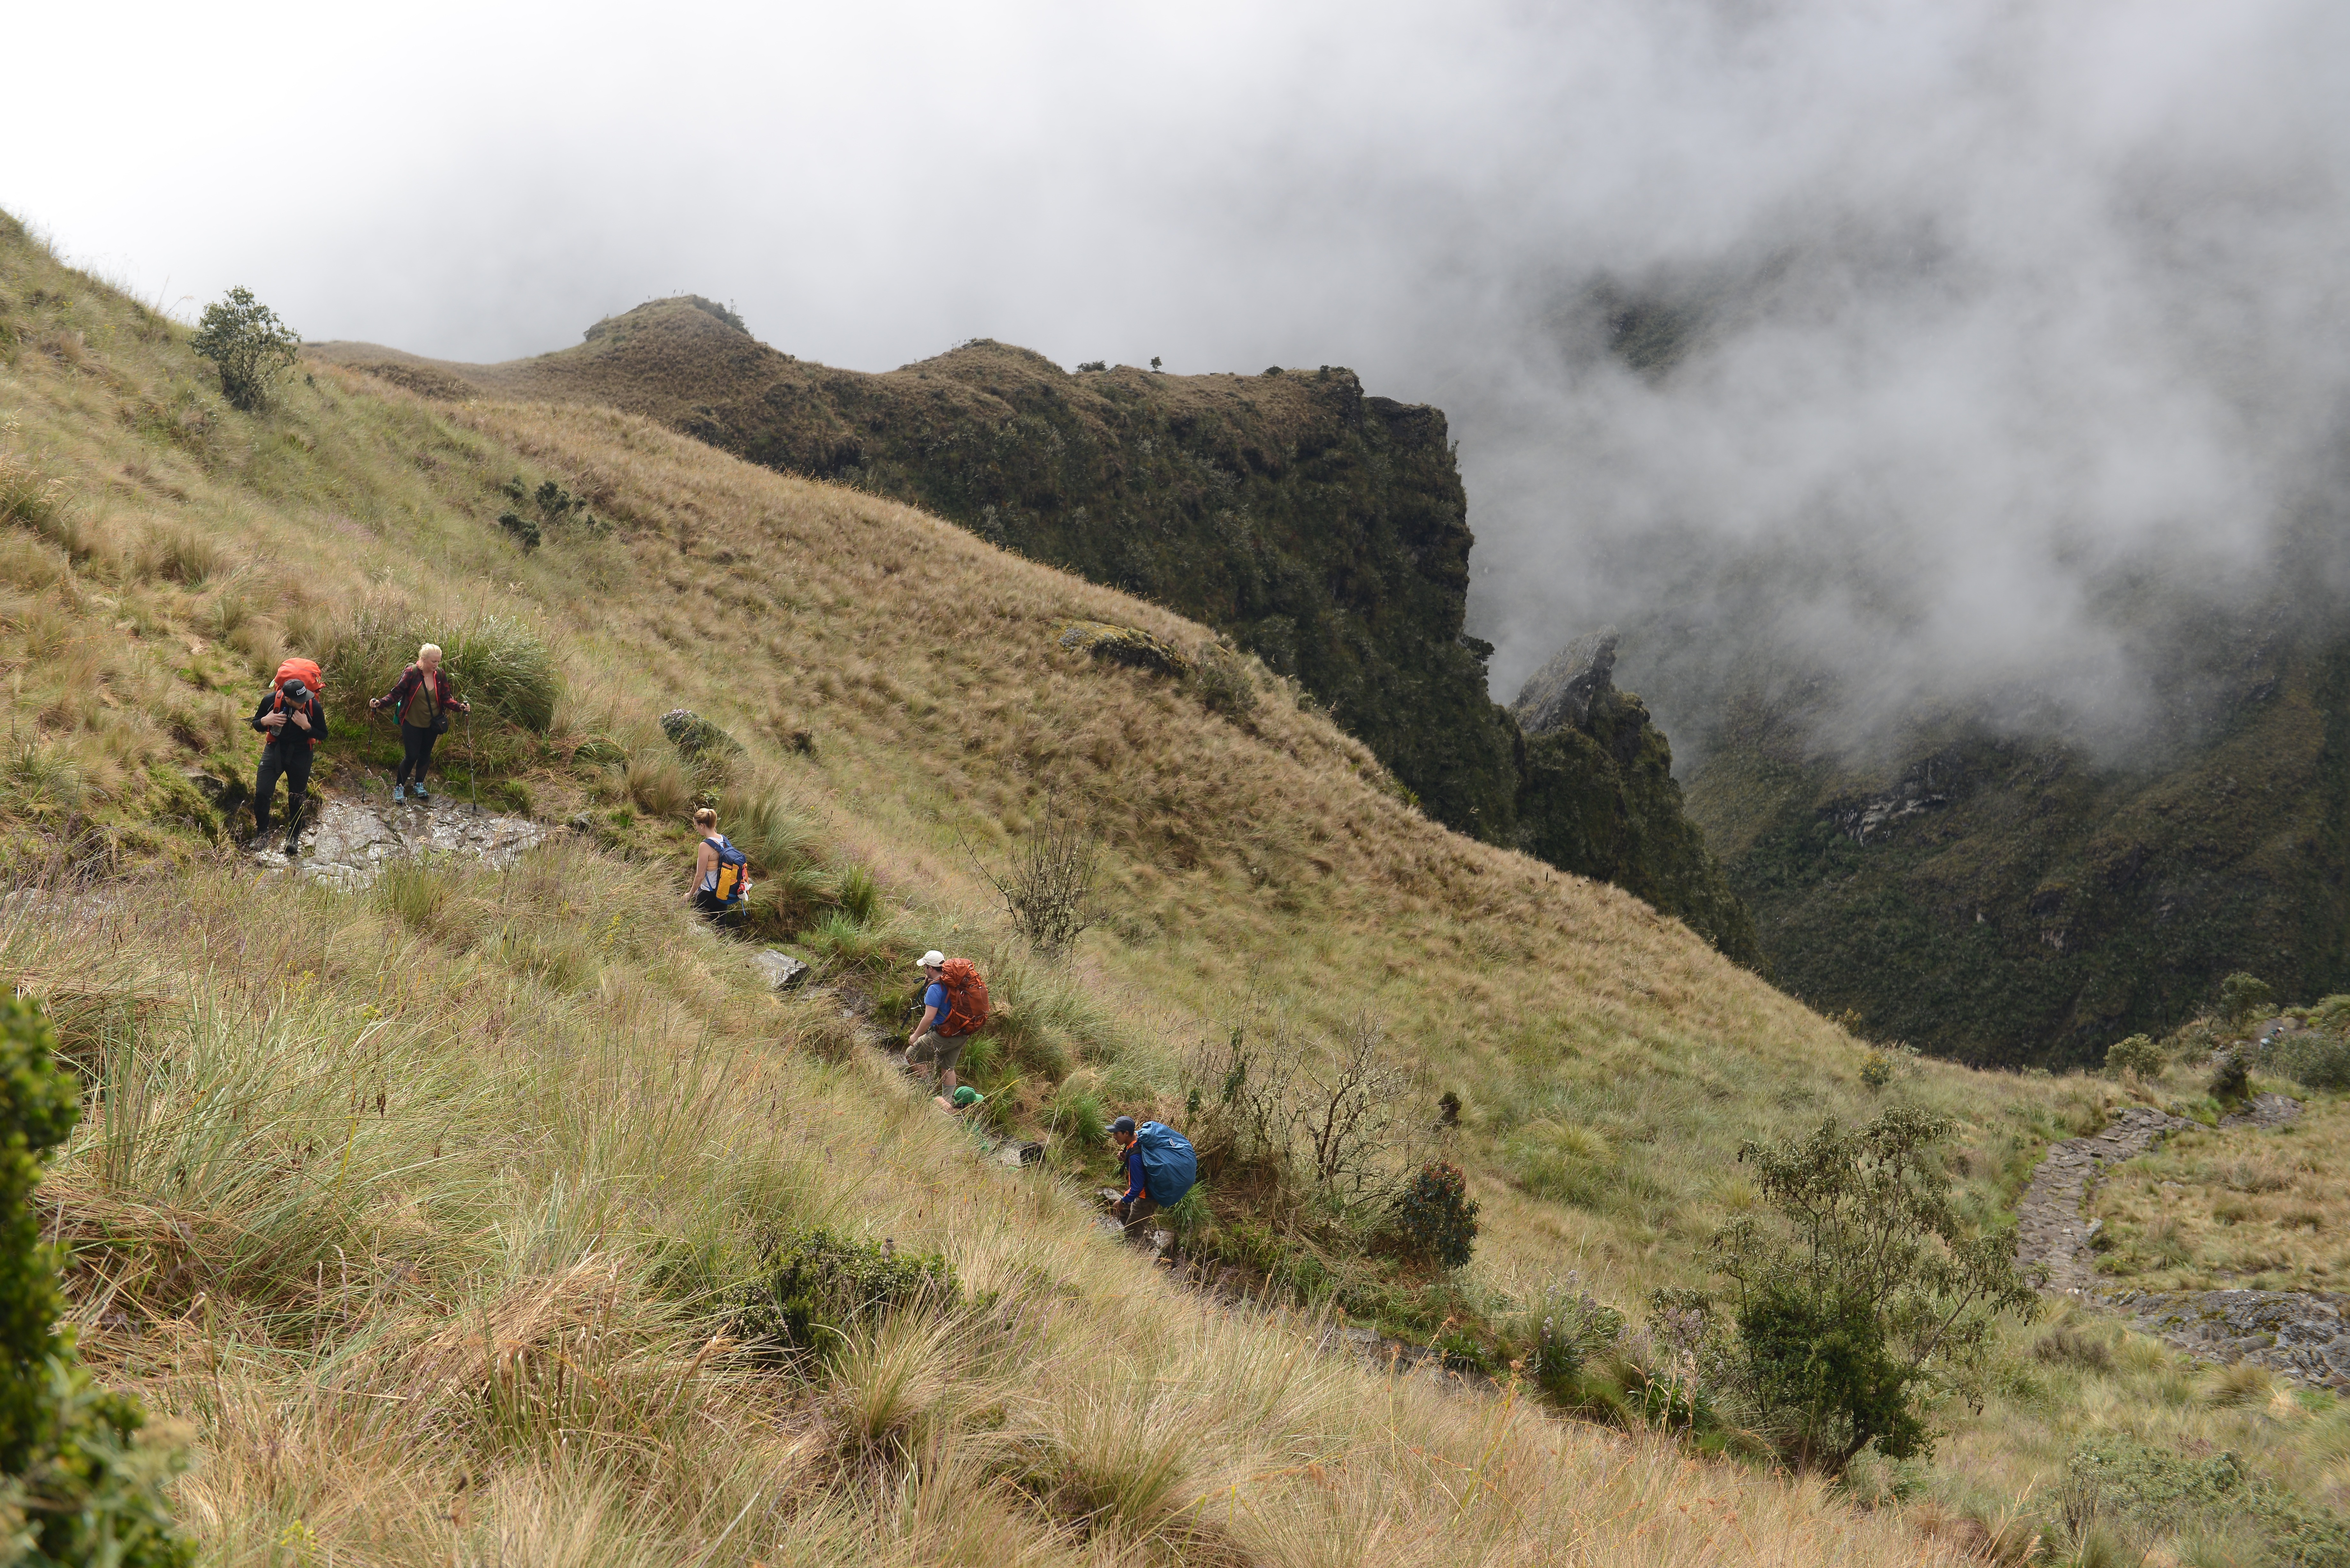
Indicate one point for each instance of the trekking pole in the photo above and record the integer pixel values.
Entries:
(472, 775)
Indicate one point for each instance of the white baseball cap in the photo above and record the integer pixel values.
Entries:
(933, 958)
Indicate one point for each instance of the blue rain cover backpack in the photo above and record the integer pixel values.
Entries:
(1169, 1166)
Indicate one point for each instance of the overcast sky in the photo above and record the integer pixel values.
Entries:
(1997, 295)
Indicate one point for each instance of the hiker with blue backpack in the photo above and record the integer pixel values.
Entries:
(721, 873)
(1159, 1170)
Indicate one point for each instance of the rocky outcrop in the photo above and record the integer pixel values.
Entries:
(1597, 795)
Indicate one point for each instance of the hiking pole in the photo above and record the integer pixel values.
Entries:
(472, 775)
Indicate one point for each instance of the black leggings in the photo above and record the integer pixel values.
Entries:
(294, 763)
(416, 750)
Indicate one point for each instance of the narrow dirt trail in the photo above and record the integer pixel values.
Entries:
(2302, 1334)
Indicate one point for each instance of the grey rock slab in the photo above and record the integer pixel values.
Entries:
(348, 843)
(782, 970)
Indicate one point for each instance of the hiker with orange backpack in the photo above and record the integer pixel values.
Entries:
(421, 698)
(721, 873)
(954, 1008)
(292, 720)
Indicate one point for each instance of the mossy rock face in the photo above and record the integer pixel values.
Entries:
(1598, 798)
(1125, 645)
(696, 736)
(2012, 901)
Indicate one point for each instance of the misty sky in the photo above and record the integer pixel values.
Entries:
(1988, 300)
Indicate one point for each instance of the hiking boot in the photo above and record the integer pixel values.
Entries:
(293, 848)
(399, 793)
(423, 793)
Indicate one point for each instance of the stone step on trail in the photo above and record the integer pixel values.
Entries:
(347, 842)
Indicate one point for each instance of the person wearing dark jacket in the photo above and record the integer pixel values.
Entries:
(291, 719)
(423, 699)
(1137, 1206)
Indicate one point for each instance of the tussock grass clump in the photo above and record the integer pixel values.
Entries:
(497, 663)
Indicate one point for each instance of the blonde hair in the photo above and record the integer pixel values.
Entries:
(432, 647)
(705, 817)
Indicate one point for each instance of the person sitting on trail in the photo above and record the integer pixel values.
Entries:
(721, 873)
(954, 1008)
(421, 698)
(292, 720)
(1161, 1168)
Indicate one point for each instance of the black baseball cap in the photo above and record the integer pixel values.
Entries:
(1123, 1124)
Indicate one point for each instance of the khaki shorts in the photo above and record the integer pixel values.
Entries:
(946, 1049)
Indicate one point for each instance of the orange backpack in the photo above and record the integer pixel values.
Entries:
(966, 998)
(306, 670)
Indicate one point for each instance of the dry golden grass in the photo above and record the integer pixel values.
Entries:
(2235, 1208)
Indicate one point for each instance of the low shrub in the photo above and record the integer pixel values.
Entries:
(77, 1483)
(696, 737)
(1876, 1070)
(2318, 1059)
(1435, 1217)
(497, 663)
(818, 1286)
(2244, 998)
(2231, 1080)
(1574, 1329)
(2137, 1054)
(1223, 683)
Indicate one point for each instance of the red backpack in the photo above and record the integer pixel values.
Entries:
(966, 998)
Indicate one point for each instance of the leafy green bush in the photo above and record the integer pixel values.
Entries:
(820, 1284)
(2137, 1054)
(77, 1483)
(1868, 1276)
(2244, 998)
(2318, 1059)
(1876, 1070)
(1435, 1217)
(2158, 1491)
(251, 346)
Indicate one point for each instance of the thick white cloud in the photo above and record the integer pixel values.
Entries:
(2000, 296)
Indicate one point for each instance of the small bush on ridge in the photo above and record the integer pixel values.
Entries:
(1435, 1217)
(2139, 1054)
(250, 345)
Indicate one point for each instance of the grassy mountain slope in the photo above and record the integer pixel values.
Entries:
(425, 1206)
(1324, 530)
